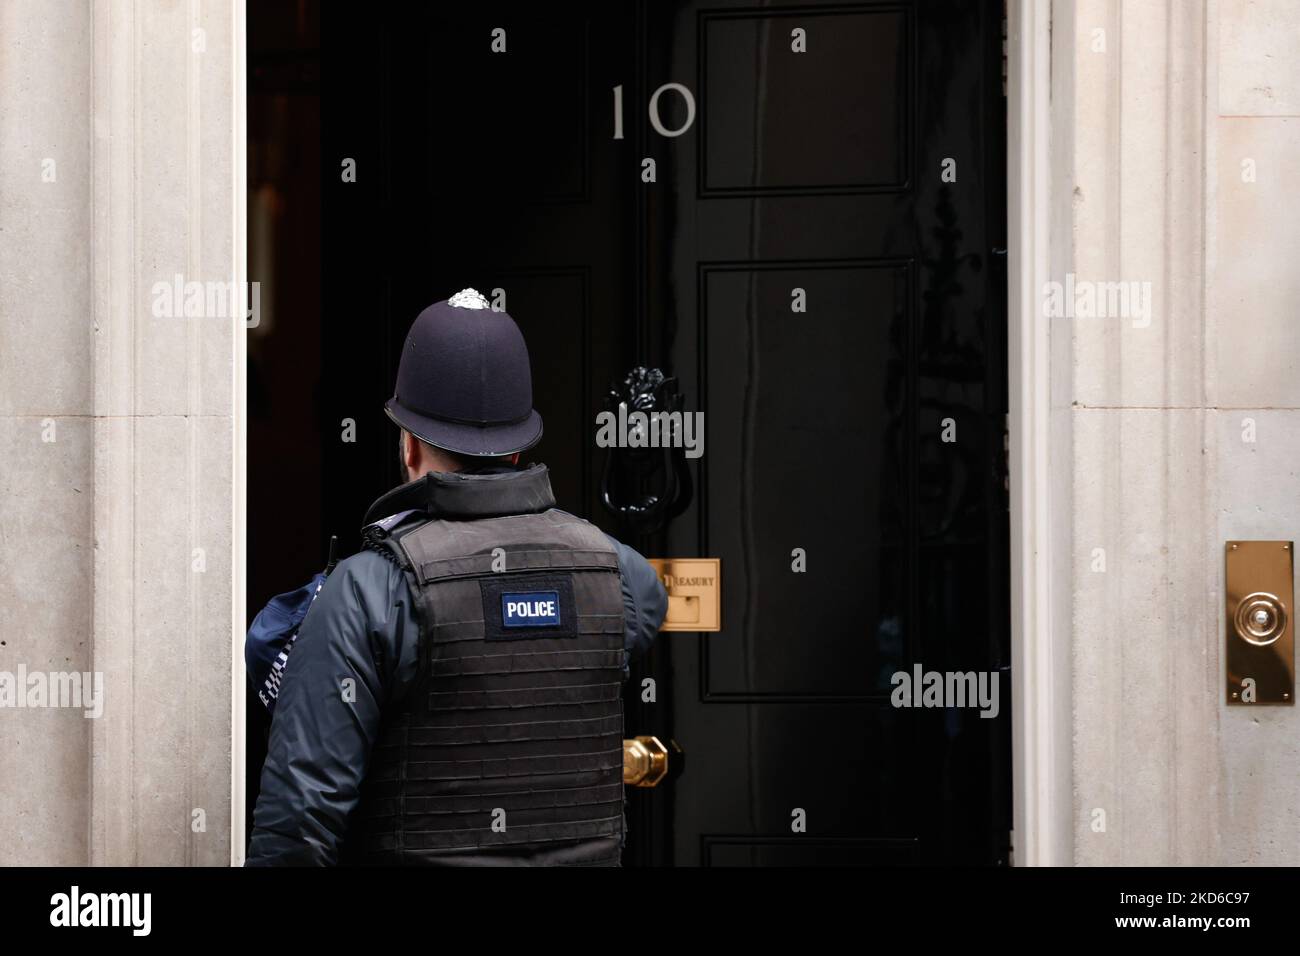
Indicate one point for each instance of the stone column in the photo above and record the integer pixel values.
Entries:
(121, 514)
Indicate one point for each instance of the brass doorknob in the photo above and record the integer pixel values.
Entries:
(645, 761)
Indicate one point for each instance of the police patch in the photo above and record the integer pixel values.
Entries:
(528, 606)
(530, 609)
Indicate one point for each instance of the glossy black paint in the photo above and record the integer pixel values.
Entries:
(819, 171)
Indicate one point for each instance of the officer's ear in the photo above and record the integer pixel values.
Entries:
(410, 453)
(514, 459)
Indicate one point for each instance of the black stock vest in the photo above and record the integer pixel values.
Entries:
(507, 749)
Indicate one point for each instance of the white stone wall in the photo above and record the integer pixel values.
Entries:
(1160, 123)
(121, 538)
(1253, 371)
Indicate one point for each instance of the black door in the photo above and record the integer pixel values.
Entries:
(813, 260)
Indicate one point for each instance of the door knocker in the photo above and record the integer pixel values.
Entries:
(645, 480)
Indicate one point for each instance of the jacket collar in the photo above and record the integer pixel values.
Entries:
(465, 496)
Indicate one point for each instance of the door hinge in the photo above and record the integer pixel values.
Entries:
(1004, 49)
(1004, 463)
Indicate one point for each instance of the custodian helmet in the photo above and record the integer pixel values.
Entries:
(464, 383)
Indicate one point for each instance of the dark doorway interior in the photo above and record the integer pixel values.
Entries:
(864, 174)
(286, 533)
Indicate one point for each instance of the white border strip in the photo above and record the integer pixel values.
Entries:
(1039, 732)
(239, 432)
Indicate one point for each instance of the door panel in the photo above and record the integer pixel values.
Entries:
(771, 96)
(801, 177)
(785, 397)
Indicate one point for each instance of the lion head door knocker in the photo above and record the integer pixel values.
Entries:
(645, 481)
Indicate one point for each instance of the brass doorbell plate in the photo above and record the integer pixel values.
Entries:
(1259, 638)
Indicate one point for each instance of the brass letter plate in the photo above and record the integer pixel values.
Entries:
(1259, 656)
(694, 588)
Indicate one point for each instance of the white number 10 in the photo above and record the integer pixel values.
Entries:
(653, 110)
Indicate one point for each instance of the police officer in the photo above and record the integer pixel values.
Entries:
(454, 694)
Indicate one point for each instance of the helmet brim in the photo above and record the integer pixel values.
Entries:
(480, 441)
